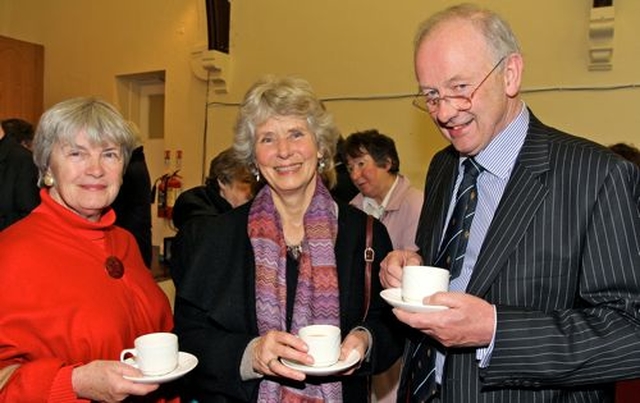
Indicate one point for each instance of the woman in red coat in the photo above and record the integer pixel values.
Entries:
(75, 289)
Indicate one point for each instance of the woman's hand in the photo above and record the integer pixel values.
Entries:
(103, 381)
(275, 345)
(356, 340)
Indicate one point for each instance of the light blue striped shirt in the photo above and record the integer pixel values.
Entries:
(498, 160)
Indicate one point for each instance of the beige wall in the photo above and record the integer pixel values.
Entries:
(346, 49)
(363, 49)
(90, 43)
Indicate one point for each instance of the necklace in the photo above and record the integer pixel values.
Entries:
(295, 251)
(113, 264)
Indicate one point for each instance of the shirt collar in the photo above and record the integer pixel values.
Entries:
(499, 157)
(370, 206)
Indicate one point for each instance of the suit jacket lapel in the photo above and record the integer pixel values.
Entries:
(438, 190)
(523, 195)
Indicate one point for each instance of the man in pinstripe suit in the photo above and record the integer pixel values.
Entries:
(547, 305)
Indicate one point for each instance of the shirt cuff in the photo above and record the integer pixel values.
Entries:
(246, 364)
(369, 337)
(483, 354)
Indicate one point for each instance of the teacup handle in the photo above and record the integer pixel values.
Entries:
(124, 353)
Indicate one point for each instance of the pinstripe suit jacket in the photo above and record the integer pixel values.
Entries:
(561, 262)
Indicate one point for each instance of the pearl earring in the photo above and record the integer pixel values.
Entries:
(321, 165)
(48, 180)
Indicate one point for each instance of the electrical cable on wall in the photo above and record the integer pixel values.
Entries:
(206, 128)
(613, 87)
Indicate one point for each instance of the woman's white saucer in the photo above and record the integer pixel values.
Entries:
(186, 362)
(394, 297)
(352, 359)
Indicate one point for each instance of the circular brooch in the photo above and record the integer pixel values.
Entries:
(114, 267)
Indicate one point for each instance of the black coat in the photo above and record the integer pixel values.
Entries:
(19, 193)
(199, 201)
(133, 204)
(215, 313)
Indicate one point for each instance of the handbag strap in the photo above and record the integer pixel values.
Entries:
(369, 255)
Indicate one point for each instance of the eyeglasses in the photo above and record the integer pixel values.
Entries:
(431, 102)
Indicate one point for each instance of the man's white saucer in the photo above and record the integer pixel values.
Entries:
(186, 362)
(352, 359)
(394, 297)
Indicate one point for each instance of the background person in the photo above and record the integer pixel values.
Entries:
(18, 175)
(374, 167)
(290, 258)
(76, 291)
(545, 305)
(627, 151)
(133, 203)
(20, 130)
(344, 189)
(229, 185)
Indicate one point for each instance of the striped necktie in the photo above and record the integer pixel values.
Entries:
(454, 244)
(418, 383)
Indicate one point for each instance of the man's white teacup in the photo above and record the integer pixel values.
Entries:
(419, 282)
(323, 342)
(154, 353)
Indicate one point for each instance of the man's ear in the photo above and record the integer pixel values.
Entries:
(514, 65)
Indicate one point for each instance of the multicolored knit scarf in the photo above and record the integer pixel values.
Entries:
(317, 294)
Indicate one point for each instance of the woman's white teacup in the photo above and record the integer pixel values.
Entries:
(419, 282)
(323, 342)
(154, 353)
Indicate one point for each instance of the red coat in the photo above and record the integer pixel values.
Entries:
(60, 308)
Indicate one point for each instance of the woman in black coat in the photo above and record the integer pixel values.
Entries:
(292, 257)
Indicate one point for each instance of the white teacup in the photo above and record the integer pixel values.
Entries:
(323, 342)
(154, 353)
(419, 282)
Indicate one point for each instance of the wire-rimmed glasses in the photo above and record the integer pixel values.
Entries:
(430, 103)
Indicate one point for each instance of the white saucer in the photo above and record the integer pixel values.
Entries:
(340, 366)
(186, 362)
(394, 297)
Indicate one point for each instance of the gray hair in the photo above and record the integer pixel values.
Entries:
(286, 96)
(101, 122)
(226, 168)
(496, 31)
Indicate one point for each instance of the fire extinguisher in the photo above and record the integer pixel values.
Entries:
(160, 188)
(168, 187)
(173, 185)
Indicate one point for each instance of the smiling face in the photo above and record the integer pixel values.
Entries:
(286, 154)
(86, 176)
(456, 67)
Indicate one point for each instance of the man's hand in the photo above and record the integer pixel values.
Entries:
(469, 321)
(391, 267)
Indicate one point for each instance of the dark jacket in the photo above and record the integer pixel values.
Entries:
(133, 204)
(560, 263)
(19, 193)
(344, 189)
(198, 201)
(215, 312)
